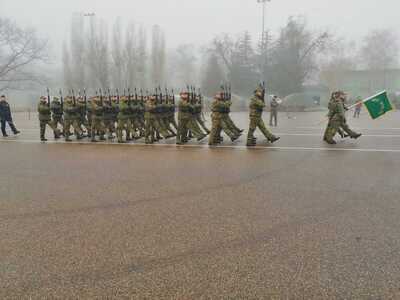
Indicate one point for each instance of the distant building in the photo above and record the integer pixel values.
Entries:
(363, 82)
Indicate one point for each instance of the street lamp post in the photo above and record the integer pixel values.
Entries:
(263, 39)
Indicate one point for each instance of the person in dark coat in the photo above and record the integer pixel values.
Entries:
(5, 117)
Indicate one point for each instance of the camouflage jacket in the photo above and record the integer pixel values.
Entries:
(256, 107)
(56, 109)
(44, 112)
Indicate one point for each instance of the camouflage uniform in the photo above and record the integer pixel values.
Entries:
(124, 120)
(71, 117)
(57, 113)
(97, 119)
(149, 116)
(81, 107)
(184, 116)
(228, 125)
(337, 119)
(218, 108)
(257, 106)
(109, 118)
(45, 119)
(198, 109)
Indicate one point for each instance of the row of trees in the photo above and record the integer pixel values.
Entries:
(123, 55)
(92, 59)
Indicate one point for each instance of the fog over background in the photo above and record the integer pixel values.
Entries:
(195, 21)
(310, 47)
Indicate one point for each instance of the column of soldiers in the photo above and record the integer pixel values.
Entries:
(127, 117)
(152, 117)
(337, 123)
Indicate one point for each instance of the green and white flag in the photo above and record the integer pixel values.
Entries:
(378, 105)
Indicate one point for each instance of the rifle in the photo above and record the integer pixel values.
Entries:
(129, 96)
(117, 95)
(73, 97)
(85, 97)
(101, 97)
(136, 95)
(109, 96)
(48, 97)
(161, 95)
(62, 100)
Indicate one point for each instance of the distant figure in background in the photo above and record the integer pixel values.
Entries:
(5, 117)
(358, 107)
(274, 111)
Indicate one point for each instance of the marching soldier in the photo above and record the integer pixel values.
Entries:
(198, 110)
(109, 115)
(97, 119)
(184, 116)
(45, 119)
(71, 118)
(337, 119)
(81, 108)
(124, 120)
(150, 108)
(57, 113)
(257, 106)
(218, 107)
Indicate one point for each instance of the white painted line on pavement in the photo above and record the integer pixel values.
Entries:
(304, 134)
(205, 146)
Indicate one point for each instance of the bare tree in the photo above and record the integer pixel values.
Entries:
(158, 54)
(380, 50)
(77, 48)
(97, 54)
(117, 54)
(20, 51)
(130, 56)
(68, 78)
(141, 63)
(294, 56)
(185, 65)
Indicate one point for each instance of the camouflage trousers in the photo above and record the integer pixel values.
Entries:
(201, 122)
(257, 122)
(75, 125)
(229, 127)
(216, 128)
(97, 127)
(83, 121)
(172, 121)
(124, 125)
(336, 125)
(183, 129)
(52, 125)
(137, 127)
(159, 126)
(58, 121)
(195, 129)
(150, 128)
(109, 125)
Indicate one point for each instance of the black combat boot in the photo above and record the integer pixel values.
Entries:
(274, 139)
(330, 142)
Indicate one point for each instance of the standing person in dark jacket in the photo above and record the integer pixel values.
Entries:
(5, 117)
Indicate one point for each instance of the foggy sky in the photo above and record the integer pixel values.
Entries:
(197, 21)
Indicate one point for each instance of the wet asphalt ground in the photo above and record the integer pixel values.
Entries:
(295, 220)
